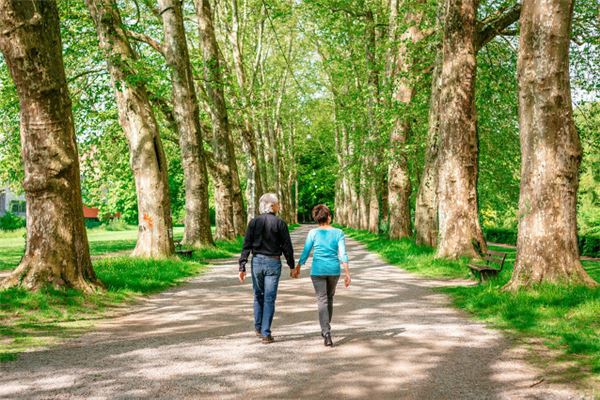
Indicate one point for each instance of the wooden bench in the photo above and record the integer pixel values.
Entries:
(180, 251)
(494, 261)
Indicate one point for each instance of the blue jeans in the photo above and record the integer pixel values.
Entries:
(266, 272)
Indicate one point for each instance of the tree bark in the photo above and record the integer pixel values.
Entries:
(399, 188)
(458, 217)
(426, 204)
(550, 150)
(147, 157)
(254, 186)
(372, 160)
(57, 252)
(230, 213)
(187, 118)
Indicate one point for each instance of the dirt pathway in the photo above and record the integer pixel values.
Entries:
(395, 338)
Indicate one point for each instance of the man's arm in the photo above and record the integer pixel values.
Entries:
(286, 246)
(247, 247)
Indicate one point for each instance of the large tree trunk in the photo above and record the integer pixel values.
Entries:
(148, 161)
(458, 217)
(372, 160)
(187, 118)
(254, 182)
(398, 174)
(230, 214)
(550, 150)
(426, 204)
(57, 252)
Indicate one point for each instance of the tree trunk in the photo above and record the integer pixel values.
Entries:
(230, 214)
(550, 150)
(399, 187)
(373, 224)
(458, 217)
(372, 160)
(148, 161)
(426, 204)
(187, 118)
(254, 182)
(57, 252)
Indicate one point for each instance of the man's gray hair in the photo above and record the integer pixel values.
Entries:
(266, 202)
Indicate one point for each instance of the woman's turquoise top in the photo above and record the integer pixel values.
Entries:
(329, 250)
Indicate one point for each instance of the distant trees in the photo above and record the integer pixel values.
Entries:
(57, 252)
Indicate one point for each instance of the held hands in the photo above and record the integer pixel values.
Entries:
(295, 273)
(242, 276)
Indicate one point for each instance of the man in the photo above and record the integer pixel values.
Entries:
(267, 237)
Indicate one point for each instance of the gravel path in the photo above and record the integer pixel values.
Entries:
(395, 338)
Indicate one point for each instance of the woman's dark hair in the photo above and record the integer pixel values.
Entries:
(321, 213)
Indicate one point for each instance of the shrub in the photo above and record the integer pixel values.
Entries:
(11, 222)
(116, 224)
(92, 223)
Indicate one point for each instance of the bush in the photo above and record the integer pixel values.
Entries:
(92, 223)
(589, 245)
(11, 222)
(116, 224)
(500, 235)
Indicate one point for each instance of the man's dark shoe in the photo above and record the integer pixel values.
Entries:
(328, 341)
(267, 339)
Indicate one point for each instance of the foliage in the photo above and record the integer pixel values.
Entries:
(116, 224)
(11, 222)
(565, 317)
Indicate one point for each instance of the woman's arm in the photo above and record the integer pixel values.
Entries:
(308, 245)
(343, 256)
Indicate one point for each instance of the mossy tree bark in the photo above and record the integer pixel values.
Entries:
(187, 119)
(458, 216)
(57, 252)
(229, 209)
(550, 150)
(136, 116)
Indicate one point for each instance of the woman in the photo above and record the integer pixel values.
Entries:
(329, 251)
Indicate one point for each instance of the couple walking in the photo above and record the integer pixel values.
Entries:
(267, 238)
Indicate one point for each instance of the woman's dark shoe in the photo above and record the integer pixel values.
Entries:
(328, 341)
(257, 333)
(267, 339)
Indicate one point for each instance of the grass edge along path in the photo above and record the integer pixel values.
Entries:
(564, 319)
(30, 320)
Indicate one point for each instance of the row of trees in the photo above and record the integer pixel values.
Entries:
(396, 47)
(202, 108)
(405, 113)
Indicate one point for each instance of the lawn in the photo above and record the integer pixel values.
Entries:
(33, 319)
(564, 318)
(101, 242)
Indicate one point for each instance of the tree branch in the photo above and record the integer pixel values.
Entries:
(140, 37)
(495, 24)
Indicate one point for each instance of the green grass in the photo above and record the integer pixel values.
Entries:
(409, 256)
(101, 242)
(34, 319)
(566, 318)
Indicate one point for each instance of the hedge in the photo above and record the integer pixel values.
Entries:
(589, 245)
